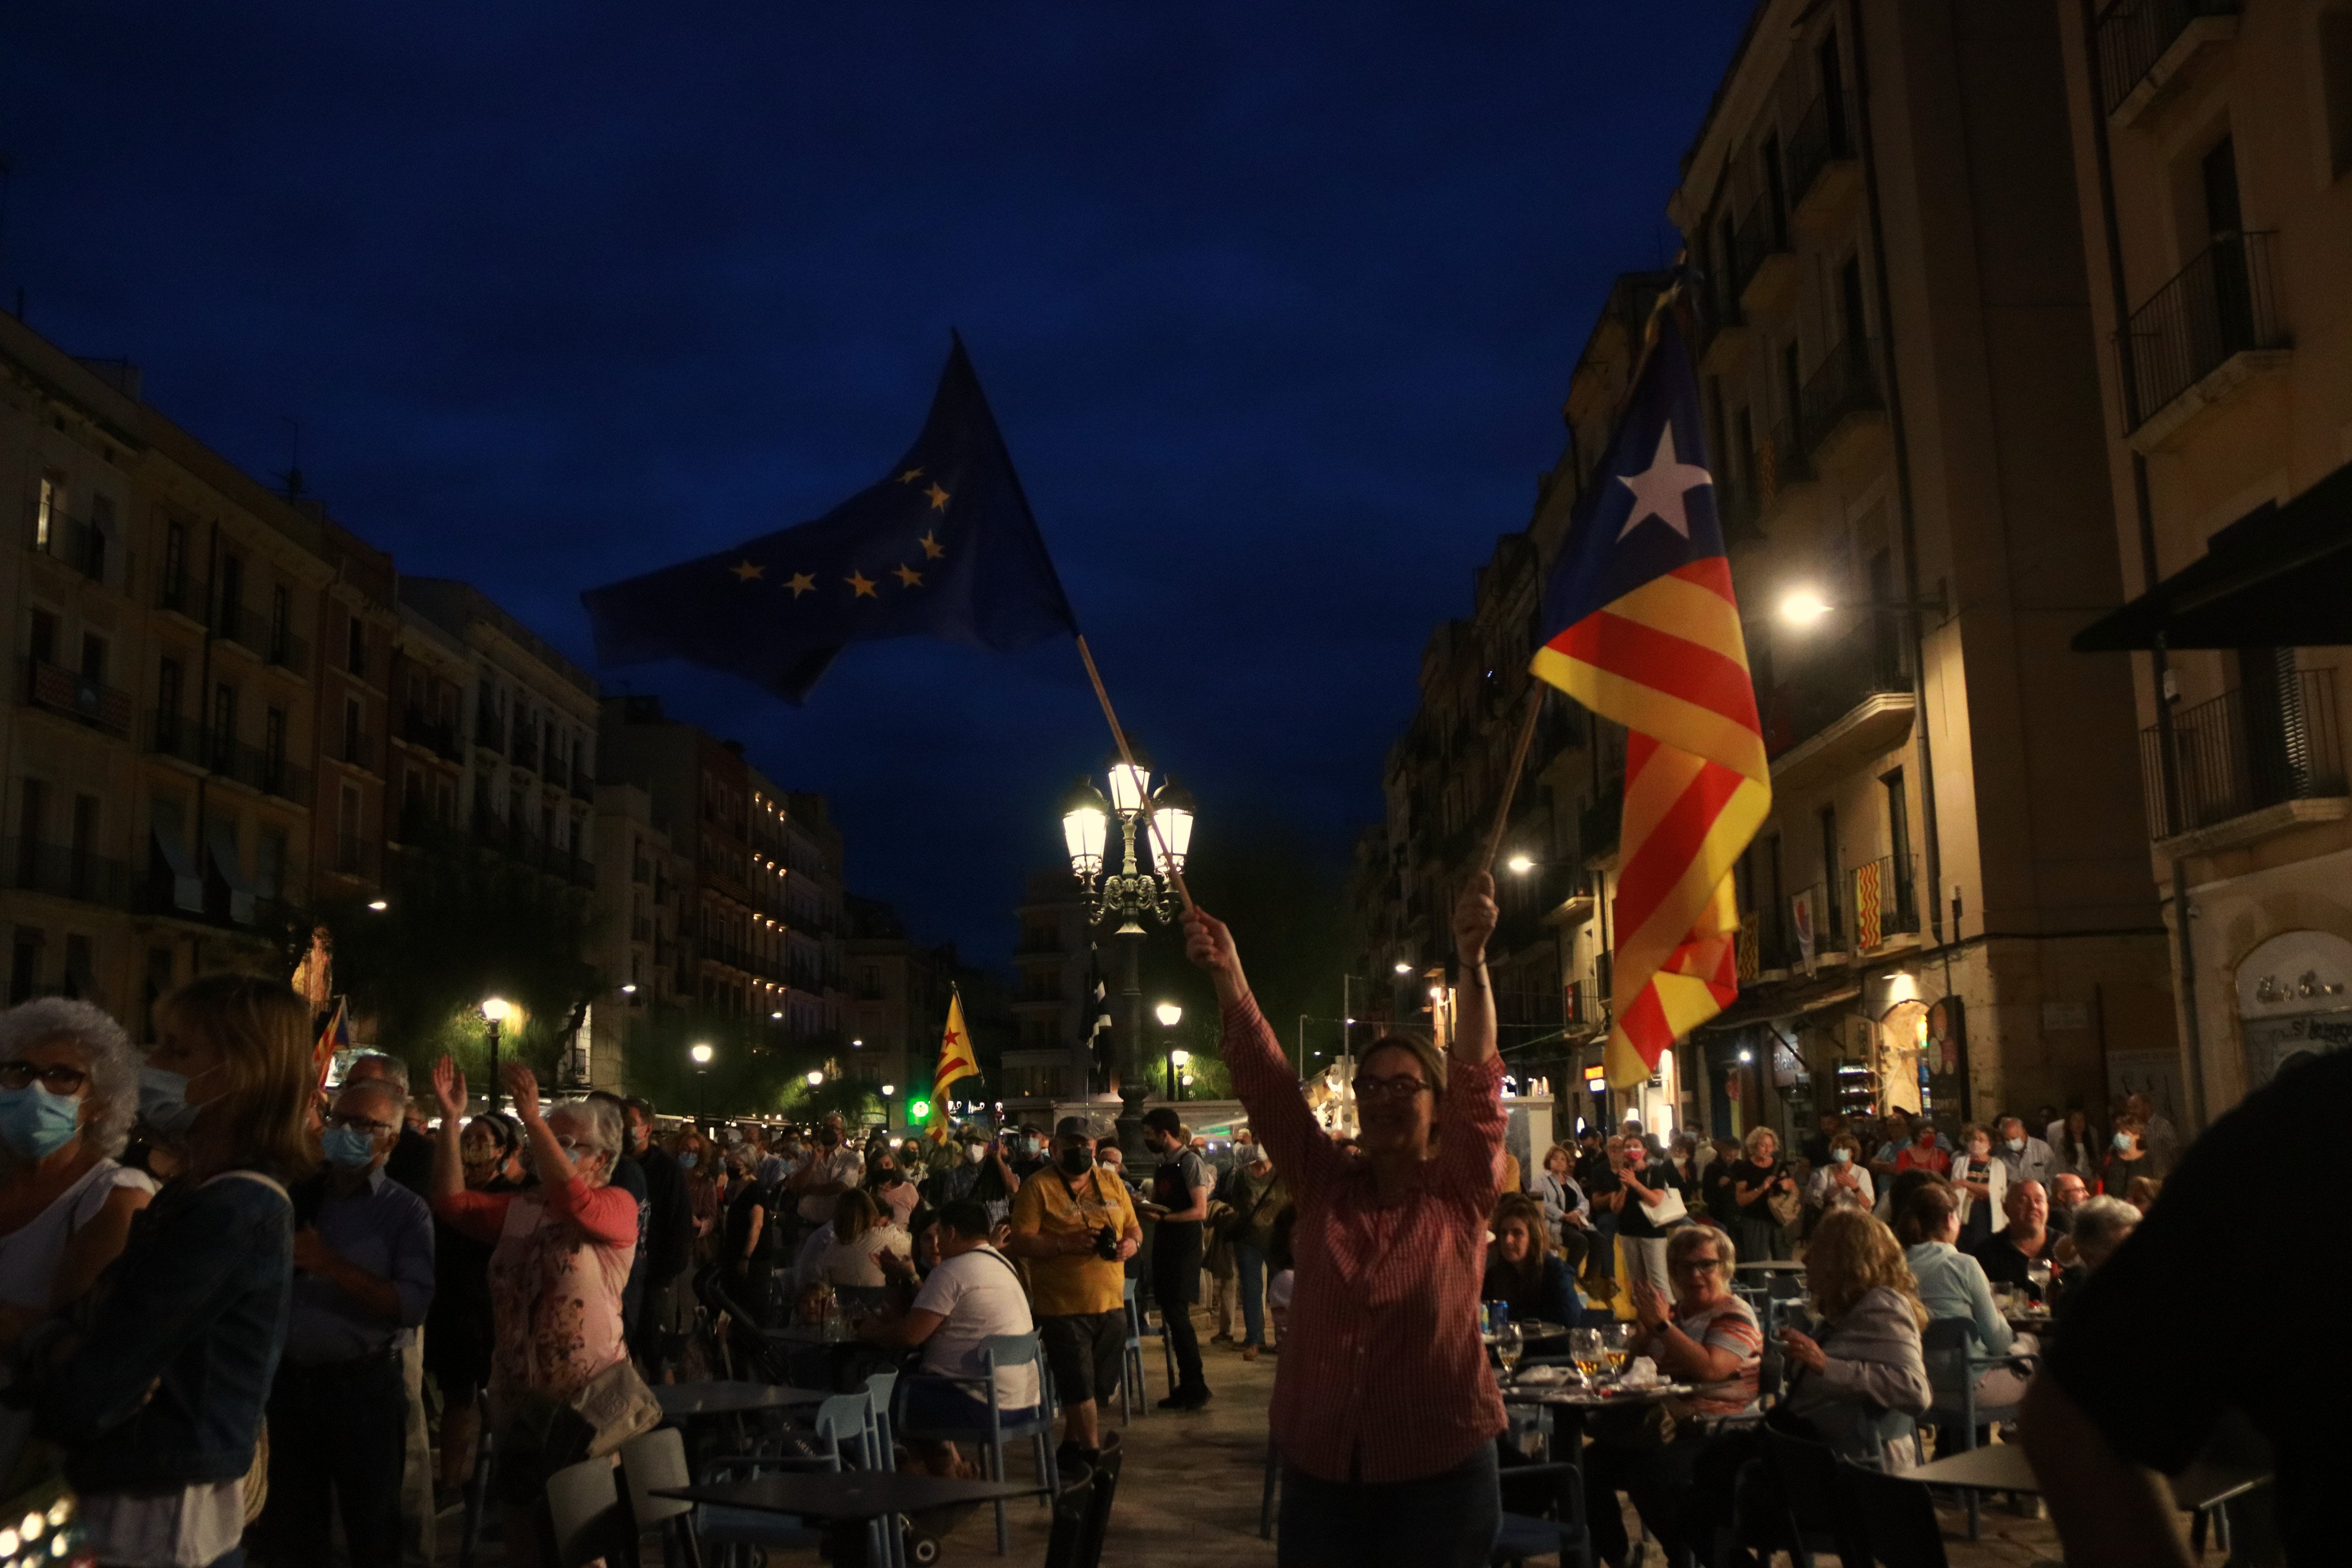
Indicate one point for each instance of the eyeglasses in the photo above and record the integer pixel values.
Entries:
(1707, 1265)
(1370, 1088)
(354, 1119)
(56, 1077)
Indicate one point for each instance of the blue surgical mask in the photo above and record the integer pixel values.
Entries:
(1842, 1156)
(163, 1101)
(348, 1149)
(688, 1161)
(2123, 1143)
(36, 1124)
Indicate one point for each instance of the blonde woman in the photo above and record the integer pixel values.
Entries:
(159, 1408)
(1758, 1178)
(1864, 1357)
(865, 1251)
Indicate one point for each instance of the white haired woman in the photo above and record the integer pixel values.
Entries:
(68, 1091)
(559, 1264)
(1753, 1183)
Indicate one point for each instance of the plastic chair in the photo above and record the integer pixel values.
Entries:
(1133, 1396)
(1005, 1353)
(652, 1459)
(582, 1517)
(1899, 1516)
(1818, 1515)
(1947, 1344)
(1527, 1535)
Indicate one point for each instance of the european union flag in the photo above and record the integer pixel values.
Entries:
(944, 546)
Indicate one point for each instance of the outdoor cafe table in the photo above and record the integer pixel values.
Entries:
(2003, 1467)
(843, 1502)
(1770, 1265)
(727, 1396)
(1570, 1403)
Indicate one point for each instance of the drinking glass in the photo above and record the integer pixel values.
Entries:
(1510, 1343)
(1584, 1347)
(1616, 1344)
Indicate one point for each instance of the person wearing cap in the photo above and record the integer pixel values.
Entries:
(1076, 1285)
(1179, 1203)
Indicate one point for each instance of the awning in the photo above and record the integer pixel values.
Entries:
(2280, 576)
(220, 838)
(1752, 1009)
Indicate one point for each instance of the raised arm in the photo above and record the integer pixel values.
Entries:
(1262, 1075)
(449, 1159)
(1470, 1112)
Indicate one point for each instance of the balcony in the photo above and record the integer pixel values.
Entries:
(268, 773)
(1823, 175)
(525, 753)
(75, 696)
(1848, 702)
(1841, 406)
(2200, 338)
(64, 871)
(437, 737)
(1599, 822)
(183, 595)
(2239, 757)
(1784, 473)
(77, 542)
(357, 751)
(1763, 267)
(489, 732)
(1814, 914)
(584, 784)
(1884, 898)
(1723, 339)
(2147, 47)
(171, 735)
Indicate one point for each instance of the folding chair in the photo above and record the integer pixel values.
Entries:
(1133, 1396)
(582, 1519)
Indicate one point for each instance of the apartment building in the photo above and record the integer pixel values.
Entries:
(359, 625)
(896, 1003)
(760, 921)
(157, 740)
(1948, 908)
(2213, 158)
(1051, 1056)
(641, 879)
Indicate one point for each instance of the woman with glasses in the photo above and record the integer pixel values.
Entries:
(1709, 1338)
(559, 1263)
(68, 1089)
(1385, 1412)
(159, 1407)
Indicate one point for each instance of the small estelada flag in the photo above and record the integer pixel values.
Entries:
(335, 1037)
(956, 1061)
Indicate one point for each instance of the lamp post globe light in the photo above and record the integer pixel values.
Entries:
(496, 1011)
(701, 1055)
(1124, 898)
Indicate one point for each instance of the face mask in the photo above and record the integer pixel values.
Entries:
(36, 1124)
(2123, 1143)
(688, 1161)
(830, 1139)
(974, 1154)
(348, 1149)
(1978, 1151)
(483, 1156)
(2017, 1145)
(1842, 1156)
(163, 1101)
(1076, 1162)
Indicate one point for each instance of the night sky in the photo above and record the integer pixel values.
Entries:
(1276, 307)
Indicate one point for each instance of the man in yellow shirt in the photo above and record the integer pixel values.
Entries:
(1074, 1225)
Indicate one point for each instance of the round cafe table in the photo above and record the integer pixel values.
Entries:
(1570, 1403)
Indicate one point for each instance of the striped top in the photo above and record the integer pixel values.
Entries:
(1383, 1377)
(1727, 1323)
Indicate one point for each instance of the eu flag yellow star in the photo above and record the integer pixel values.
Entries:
(747, 570)
(932, 548)
(860, 587)
(910, 476)
(938, 497)
(802, 583)
(907, 575)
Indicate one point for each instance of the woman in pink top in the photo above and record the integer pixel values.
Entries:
(562, 1255)
(1384, 1409)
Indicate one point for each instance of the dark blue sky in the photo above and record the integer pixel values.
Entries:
(1275, 305)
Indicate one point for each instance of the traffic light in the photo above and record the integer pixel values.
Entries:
(918, 1111)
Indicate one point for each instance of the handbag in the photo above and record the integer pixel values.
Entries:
(1785, 1207)
(1668, 1210)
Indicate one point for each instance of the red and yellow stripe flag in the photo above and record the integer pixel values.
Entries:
(956, 1061)
(1643, 629)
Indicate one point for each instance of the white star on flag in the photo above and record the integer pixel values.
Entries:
(1658, 491)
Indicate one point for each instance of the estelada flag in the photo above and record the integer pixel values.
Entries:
(335, 1037)
(956, 1061)
(1641, 627)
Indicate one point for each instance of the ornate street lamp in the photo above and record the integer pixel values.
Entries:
(701, 1055)
(496, 1011)
(1163, 819)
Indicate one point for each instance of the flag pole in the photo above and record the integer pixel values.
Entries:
(1511, 776)
(1125, 755)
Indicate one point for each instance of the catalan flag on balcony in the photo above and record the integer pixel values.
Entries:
(1642, 628)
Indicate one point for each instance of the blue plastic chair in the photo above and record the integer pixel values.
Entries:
(1005, 1353)
(1949, 1346)
(1132, 1395)
(1526, 1535)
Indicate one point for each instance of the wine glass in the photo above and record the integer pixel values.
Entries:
(1584, 1347)
(1510, 1343)
(1616, 1344)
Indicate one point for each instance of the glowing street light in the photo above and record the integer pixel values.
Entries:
(496, 1011)
(1804, 606)
(1520, 864)
(1169, 1014)
(1403, 967)
(816, 1079)
(701, 1053)
(378, 905)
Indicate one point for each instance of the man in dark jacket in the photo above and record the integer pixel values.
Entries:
(669, 1243)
